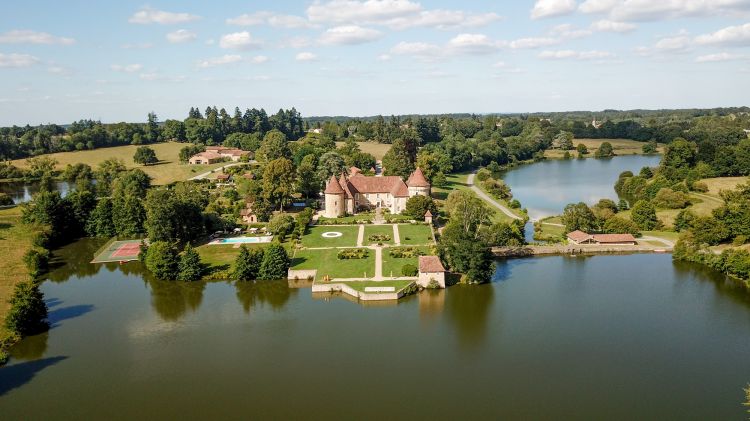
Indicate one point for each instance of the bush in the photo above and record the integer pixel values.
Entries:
(683, 220)
(405, 252)
(617, 225)
(709, 230)
(354, 253)
(646, 172)
(739, 240)
(28, 312)
(5, 200)
(604, 150)
(669, 199)
(644, 215)
(379, 238)
(37, 261)
(497, 188)
(409, 270)
(483, 174)
(433, 284)
(699, 187)
(418, 205)
(515, 204)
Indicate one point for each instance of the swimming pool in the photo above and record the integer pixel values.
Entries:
(244, 240)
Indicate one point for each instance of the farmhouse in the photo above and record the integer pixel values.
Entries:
(215, 154)
(359, 192)
(580, 237)
(431, 269)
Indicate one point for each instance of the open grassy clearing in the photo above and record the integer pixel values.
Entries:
(498, 215)
(378, 230)
(326, 262)
(360, 286)
(168, 169)
(349, 219)
(702, 205)
(620, 146)
(717, 184)
(15, 241)
(454, 181)
(222, 254)
(375, 149)
(392, 266)
(314, 236)
(413, 234)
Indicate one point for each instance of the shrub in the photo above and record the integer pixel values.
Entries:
(699, 187)
(604, 150)
(646, 172)
(739, 240)
(281, 225)
(433, 284)
(409, 270)
(37, 261)
(5, 200)
(354, 253)
(483, 174)
(683, 220)
(28, 312)
(670, 199)
(418, 205)
(497, 188)
(709, 230)
(515, 204)
(617, 225)
(379, 238)
(644, 215)
(405, 252)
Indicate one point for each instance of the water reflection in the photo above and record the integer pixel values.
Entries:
(726, 286)
(431, 304)
(75, 260)
(467, 307)
(23, 191)
(30, 348)
(172, 299)
(252, 294)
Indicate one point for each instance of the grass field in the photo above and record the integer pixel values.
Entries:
(375, 149)
(378, 230)
(414, 234)
(620, 146)
(326, 263)
(166, 171)
(455, 181)
(361, 285)
(314, 237)
(392, 266)
(715, 185)
(15, 241)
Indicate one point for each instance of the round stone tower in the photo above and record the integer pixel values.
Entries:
(334, 196)
(418, 184)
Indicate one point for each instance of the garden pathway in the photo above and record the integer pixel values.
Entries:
(378, 264)
(396, 236)
(361, 235)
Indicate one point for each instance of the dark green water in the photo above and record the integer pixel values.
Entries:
(607, 337)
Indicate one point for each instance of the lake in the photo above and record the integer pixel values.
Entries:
(544, 188)
(605, 337)
(22, 191)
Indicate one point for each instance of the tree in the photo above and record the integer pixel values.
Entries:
(330, 163)
(309, 184)
(465, 253)
(161, 259)
(398, 160)
(564, 141)
(190, 150)
(617, 225)
(650, 147)
(604, 150)
(582, 150)
(274, 146)
(417, 206)
(173, 217)
(5, 200)
(106, 174)
(190, 267)
(247, 264)
(644, 215)
(100, 223)
(278, 182)
(467, 211)
(281, 225)
(174, 130)
(275, 263)
(145, 156)
(434, 165)
(28, 311)
(578, 216)
(152, 128)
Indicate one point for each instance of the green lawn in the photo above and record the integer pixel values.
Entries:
(414, 234)
(392, 266)
(326, 263)
(361, 285)
(314, 237)
(378, 230)
(455, 181)
(351, 219)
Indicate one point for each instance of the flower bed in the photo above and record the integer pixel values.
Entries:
(357, 253)
(405, 252)
(379, 238)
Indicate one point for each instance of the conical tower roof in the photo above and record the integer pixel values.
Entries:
(417, 179)
(333, 186)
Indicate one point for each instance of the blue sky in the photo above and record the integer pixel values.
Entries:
(62, 61)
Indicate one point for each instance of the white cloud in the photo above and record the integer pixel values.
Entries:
(259, 59)
(552, 8)
(473, 44)
(349, 34)
(295, 42)
(732, 36)
(364, 12)
(384, 57)
(180, 36)
(126, 68)
(219, 61)
(443, 20)
(712, 58)
(17, 60)
(306, 56)
(568, 31)
(606, 25)
(238, 41)
(272, 19)
(421, 50)
(148, 15)
(576, 55)
(675, 43)
(650, 10)
(33, 37)
(523, 43)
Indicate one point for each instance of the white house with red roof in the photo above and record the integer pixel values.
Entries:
(350, 194)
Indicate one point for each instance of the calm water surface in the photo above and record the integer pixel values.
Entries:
(544, 188)
(607, 337)
(21, 191)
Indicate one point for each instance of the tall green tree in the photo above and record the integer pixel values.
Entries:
(247, 264)
(161, 259)
(578, 216)
(278, 182)
(190, 267)
(28, 311)
(274, 146)
(643, 214)
(307, 177)
(275, 263)
(145, 156)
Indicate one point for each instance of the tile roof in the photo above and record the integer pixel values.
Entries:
(417, 179)
(578, 236)
(387, 184)
(333, 186)
(614, 238)
(207, 155)
(430, 264)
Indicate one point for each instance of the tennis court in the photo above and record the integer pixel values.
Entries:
(118, 251)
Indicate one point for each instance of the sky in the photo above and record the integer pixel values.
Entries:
(61, 61)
